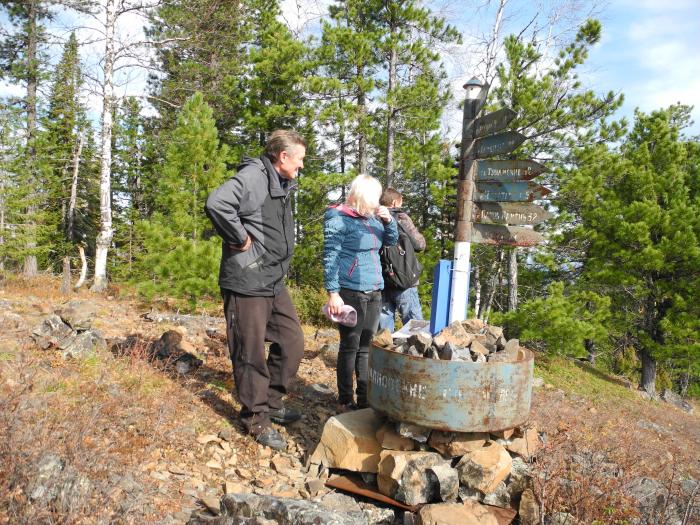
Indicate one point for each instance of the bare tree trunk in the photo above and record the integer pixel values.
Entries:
(65, 285)
(362, 142)
(74, 190)
(684, 381)
(477, 290)
(590, 348)
(495, 279)
(513, 279)
(391, 118)
(31, 267)
(2, 220)
(492, 45)
(104, 237)
(648, 371)
(83, 267)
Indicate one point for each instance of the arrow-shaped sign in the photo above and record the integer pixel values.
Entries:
(509, 213)
(508, 170)
(509, 235)
(498, 144)
(492, 122)
(509, 191)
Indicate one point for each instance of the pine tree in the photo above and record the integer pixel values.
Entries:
(181, 257)
(21, 60)
(639, 210)
(555, 113)
(133, 189)
(349, 57)
(61, 143)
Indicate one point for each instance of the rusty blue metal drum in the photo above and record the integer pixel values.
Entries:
(457, 396)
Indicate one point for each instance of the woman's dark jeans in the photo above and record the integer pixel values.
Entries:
(354, 344)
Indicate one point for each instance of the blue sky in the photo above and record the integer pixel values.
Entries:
(650, 50)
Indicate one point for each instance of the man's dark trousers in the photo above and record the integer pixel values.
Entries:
(261, 383)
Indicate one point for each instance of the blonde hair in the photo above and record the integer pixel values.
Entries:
(364, 194)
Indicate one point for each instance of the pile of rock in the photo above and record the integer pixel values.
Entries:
(458, 477)
(471, 340)
(69, 328)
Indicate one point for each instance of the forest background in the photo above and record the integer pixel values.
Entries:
(616, 282)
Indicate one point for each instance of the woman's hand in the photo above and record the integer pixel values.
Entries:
(335, 303)
(383, 213)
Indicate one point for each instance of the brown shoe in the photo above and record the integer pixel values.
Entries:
(342, 408)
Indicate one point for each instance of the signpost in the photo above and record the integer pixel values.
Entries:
(508, 170)
(498, 144)
(509, 213)
(493, 199)
(521, 191)
(493, 122)
(508, 235)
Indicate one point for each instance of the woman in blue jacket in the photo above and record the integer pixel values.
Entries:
(353, 233)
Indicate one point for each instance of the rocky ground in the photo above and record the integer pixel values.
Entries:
(146, 430)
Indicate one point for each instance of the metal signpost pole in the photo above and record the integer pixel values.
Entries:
(459, 295)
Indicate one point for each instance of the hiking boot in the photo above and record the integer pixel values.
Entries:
(284, 415)
(269, 437)
(342, 408)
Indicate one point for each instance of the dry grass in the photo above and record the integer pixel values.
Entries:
(102, 416)
(118, 417)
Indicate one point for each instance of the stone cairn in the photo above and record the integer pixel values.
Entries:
(460, 478)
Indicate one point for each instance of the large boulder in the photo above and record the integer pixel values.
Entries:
(453, 333)
(349, 442)
(485, 468)
(83, 344)
(79, 315)
(674, 399)
(390, 439)
(403, 476)
(454, 444)
(529, 510)
(252, 509)
(468, 513)
(525, 442)
(52, 331)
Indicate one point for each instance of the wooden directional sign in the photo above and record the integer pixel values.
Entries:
(509, 191)
(498, 144)
(509, 235)
(509, 213)
(508, 170)
(492, 122)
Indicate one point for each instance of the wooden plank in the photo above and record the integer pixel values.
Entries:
(508, 170)
(499, 144)
(355, 485)
(521, 191)
(509, 213)
(505, 235)
(493, 122)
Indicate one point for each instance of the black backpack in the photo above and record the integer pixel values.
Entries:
(400, 267)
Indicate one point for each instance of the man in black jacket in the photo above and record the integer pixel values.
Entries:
(253, 214)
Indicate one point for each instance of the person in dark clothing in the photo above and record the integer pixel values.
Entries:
(353, 234)
(406, 301)
(253, 215)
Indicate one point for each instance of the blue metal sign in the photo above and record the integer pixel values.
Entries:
(509, 191)
(508, 170)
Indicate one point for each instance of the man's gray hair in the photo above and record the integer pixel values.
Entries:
(282, 140)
